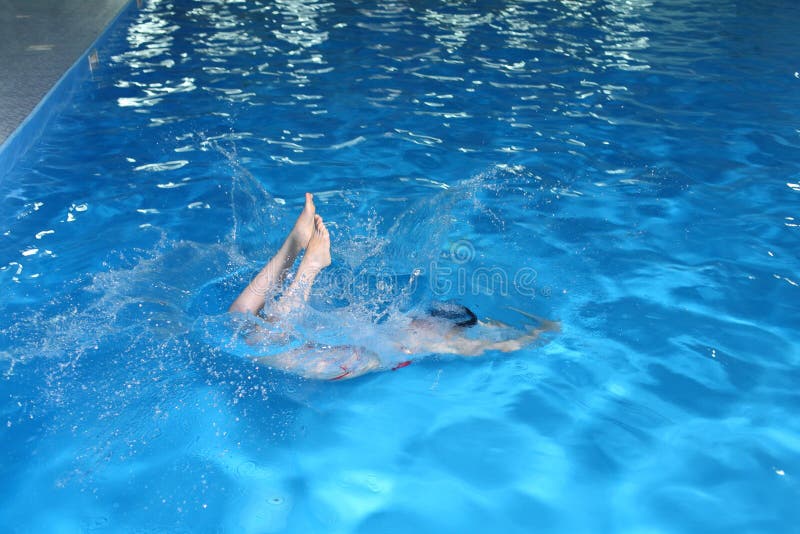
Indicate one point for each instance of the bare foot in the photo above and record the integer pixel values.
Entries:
(304, 227)
(318, 252)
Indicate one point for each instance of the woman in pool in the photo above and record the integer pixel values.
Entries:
(441, 331)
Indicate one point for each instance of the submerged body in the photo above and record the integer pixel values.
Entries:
(442, 330)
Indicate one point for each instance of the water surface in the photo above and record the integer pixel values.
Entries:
(636, 161)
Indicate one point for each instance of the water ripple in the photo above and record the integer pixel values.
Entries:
(637, 158)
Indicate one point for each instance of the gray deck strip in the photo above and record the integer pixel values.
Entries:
(39, 42)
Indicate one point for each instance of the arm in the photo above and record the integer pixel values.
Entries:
(461, 345)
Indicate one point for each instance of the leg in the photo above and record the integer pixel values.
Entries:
(251, 300)
(316, 258)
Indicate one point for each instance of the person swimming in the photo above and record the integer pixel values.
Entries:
(442, 329)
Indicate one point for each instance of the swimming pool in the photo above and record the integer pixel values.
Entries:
(636, 161)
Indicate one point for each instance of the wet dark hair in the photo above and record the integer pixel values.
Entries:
(456, 313)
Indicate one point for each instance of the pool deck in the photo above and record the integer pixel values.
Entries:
(39, 41)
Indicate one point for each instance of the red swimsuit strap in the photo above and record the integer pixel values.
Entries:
(344, 374)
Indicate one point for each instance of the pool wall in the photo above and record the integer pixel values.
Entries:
(27, 133)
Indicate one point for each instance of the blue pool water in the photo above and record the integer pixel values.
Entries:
(629, 168)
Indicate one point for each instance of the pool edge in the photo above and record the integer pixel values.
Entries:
(30, 129)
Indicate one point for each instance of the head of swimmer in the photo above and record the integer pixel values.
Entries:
(445, 315)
